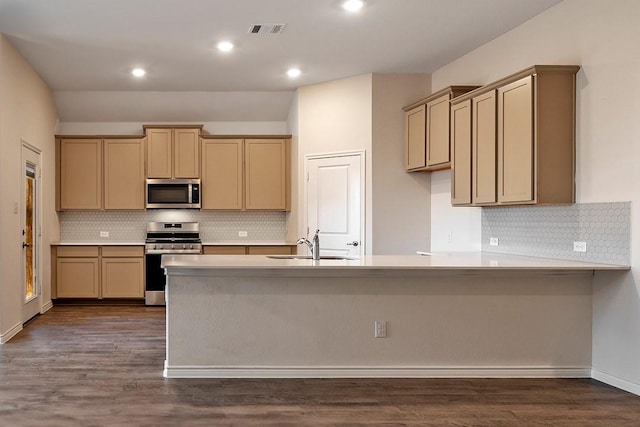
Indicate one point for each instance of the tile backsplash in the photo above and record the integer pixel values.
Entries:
(550, 231)
(131, 225)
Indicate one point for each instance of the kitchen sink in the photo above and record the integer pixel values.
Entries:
(335, 257)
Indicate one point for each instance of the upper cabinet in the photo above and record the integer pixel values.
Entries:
(95, 174)
(522, 138)
(123, 174)
(484, 146)
(461, 153)
(79, 174)
(246, 174)
(427, 138)
(222, 174)
(415, 136)
(173, 151)
(266, 169)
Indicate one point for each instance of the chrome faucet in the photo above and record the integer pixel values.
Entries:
(314, 245)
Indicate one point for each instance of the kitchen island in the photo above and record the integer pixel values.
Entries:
(447, 315)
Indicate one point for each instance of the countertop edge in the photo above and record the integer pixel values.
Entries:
(88, 243)
(442, 264)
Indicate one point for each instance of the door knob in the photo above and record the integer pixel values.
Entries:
(354, 243)
(26, 245)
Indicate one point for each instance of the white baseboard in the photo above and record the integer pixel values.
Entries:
(46, 307)
(614, 381)
(373, 372)
(10, 333)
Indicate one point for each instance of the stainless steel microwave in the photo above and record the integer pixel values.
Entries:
(173, 193)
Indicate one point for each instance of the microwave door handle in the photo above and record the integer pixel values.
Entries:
(190, 191)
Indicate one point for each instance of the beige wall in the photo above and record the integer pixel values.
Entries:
(27, 113)
(135, 128)
(602, 37)
(365, 113)
(401, 201)
(335, 117)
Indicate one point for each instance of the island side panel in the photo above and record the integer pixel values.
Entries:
(453, 323)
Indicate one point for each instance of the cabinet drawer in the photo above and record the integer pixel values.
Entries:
(224, 250)
(122, 251)
(77, 251)
(269, 250)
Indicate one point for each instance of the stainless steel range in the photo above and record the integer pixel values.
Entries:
(166, 238)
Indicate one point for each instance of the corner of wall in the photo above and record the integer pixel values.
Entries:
(400, 200)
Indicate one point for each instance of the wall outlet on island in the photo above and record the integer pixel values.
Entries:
(104, 234)
(380, 329)
(493, 241)
(242, 234)
(580, 246)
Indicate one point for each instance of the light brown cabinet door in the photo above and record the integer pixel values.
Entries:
(224, 250)
(222, 174)
(265, 174)
(515, 141)
(77, 278)
(122, 277)
(186, 153)
(484, 148)
(269, 250)
(461, 149)
(415, 134)
(159, 153)
(437, 113)
(124, 174)
(80, 174)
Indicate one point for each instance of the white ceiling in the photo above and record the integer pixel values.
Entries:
(83, 48)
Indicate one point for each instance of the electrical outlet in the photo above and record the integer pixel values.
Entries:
(242, 234)
(104, 234)
(380, 329)
(449, 237)
(580, 246)
(493, 241)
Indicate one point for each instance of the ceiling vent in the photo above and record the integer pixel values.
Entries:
(266, 28)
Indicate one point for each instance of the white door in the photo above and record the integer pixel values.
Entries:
(30, 213)
(335, 202)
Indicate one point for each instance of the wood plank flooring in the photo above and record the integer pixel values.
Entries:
(102, 366)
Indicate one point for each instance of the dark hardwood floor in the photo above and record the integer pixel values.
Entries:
(102, 366)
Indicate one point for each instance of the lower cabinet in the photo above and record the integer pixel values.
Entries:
(122, 272)
(224, 250)
(99, 272)
(77, 272)
(250, 250)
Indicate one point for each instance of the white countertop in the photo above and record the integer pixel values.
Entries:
(132, 243)
(437, 263)
(96, 243)
(248, 243)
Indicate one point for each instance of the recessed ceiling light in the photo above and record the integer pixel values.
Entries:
(225, 46)
(293, 72)
(352, 5)
(138, 72)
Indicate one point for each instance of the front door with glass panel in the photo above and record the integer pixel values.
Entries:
(30, 232)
